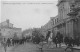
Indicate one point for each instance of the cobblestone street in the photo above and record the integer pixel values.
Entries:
(21, 48)
(29, 47)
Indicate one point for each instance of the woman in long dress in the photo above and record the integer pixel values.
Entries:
(50, 40)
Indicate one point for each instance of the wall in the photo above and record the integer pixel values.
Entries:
(7, 32)
(18, 32)
(69, 28)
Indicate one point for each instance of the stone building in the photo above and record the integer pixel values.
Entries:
(66, 24)
(54, 26)
(7, 30)
(48, 26)
(63, 10)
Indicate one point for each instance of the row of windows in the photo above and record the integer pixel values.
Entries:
(55, 21)
(64, 9)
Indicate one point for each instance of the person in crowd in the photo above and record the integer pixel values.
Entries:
(8, 42)
(69, 44)
(47, 35)
(55, 40)
(77, 41)
(11, 41)
(66, 40)
(50, 40)
(3, 43)
(59, 39)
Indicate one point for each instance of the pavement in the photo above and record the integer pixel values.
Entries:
(30, 47)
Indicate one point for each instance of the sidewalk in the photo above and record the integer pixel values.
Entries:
(62, 49)
(53, 49)
(54, 46)
(58, 49)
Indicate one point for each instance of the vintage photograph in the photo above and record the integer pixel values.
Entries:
(40, 26)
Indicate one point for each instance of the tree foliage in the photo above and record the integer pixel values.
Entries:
(37, 36)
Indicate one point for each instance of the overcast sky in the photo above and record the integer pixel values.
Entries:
(28, 14)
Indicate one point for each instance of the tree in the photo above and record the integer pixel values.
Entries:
(37, 36)
(59, 37)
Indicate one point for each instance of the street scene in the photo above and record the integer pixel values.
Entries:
(40, 26)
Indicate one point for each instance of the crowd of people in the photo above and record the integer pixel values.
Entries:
(59, 38)
(12, 42)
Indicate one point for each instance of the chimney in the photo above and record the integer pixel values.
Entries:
(7, 22)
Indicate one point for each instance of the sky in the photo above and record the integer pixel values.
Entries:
(28, 13)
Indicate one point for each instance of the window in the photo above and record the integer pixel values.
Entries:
(57, 19)
(53, 22)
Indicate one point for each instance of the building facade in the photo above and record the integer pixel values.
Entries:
(8, 31)
(48, 26)
(66, 25)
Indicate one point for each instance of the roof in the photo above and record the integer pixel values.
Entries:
(16, 28)
(59, 1)
(5, 27)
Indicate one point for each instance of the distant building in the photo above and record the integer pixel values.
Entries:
(27, 32)
(55, 22)
(48, 26)
(7, 30)
(17, 32)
